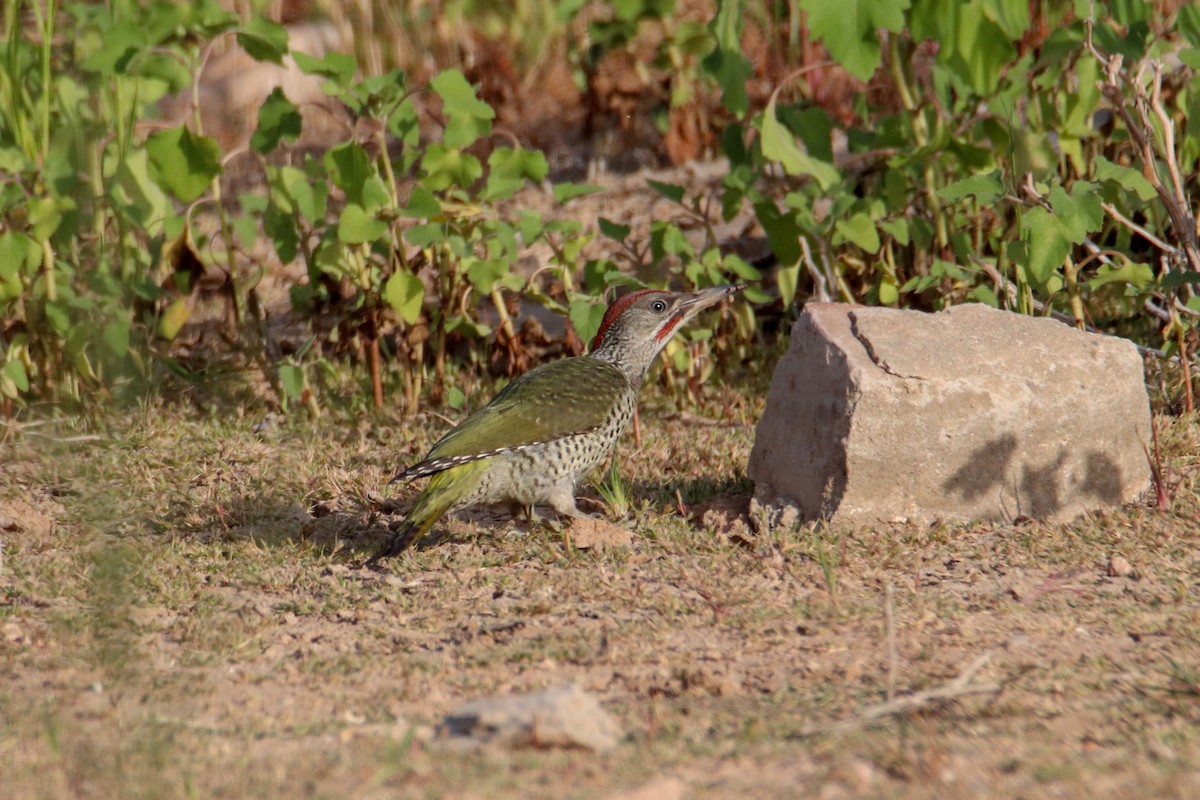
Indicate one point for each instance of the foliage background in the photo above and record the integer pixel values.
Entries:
(1035, 156)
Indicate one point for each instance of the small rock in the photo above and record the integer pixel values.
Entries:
(588, 532)
(1119, 567)
(11, 633)
(856, 775)
(559, 717)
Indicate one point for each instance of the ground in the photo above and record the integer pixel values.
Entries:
(182, 615)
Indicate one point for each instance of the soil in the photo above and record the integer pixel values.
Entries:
(184, 615)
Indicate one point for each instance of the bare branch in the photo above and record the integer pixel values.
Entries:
(962, 686)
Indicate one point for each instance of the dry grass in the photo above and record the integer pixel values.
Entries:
(176, 622)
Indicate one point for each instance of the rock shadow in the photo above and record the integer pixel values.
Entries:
(1039, 490)
(1102, 477)
(985, 470)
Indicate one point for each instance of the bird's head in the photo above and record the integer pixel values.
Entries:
(637, 326)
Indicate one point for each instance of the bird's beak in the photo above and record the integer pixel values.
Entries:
(695, 302)
(691, 304)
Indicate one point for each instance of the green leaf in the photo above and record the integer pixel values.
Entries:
(120, 43)
(569, 191)
(1190, 57)
(427, 234)
(727, 64)
(509, 168)
(44, 216)
(264, 40)
(356, 226)
(1136, 275)
(670, 191)
(1079, 212)
(59, 317)
(1174, 278)
(788, 279)
(18, 254)
(174, 318)
(586, 317)
(1048, 242)
(813, 126)
(668, 239)
(291, 380)
(987, 188)
(778, 144)
(888, 293)
(349, 166)
(281, 228)
(848, 29)
(1187, 19)
(1011, 16)
(421, 204)
(278, 119)
(142, 197)
(116, 338)
(897, 229)
(405, 293)
(467, 117)
(13, 160)
(735, 265)
(338, 67)
(446, 166)
(185, 164)
(860, 230)
(455, 398)
(613, 230)
(14, 371)
(1126, 177)
(980, 50)
(310, 197)
(783, 234)
(485, 273)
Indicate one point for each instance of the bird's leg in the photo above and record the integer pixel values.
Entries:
(562, 500)
(519, 509)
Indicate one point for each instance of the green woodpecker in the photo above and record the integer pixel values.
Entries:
(547, 429)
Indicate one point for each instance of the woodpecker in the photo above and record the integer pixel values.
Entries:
(547, 429)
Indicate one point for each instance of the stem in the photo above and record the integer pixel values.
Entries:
(48, 269)
(920, 128)
(502, 311)
(375, 365)
(1181, 343)
(1070, 274)
(46, 27)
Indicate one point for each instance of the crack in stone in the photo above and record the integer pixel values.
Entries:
(871, 354)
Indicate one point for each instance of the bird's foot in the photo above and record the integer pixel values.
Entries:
(400, 540)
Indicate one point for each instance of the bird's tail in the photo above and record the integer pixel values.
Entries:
(441, 494)
(399, 541)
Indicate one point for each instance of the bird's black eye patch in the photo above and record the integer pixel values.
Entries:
(658, 305)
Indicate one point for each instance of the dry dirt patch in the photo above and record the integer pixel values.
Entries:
(177, 621)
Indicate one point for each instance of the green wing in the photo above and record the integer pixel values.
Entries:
(564, 397)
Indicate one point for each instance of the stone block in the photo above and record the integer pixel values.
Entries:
(880, 415)
(555, 717)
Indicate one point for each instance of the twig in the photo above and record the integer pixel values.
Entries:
(961, 686)
(889, 632)
(820, 291)
(1138, 229)
(688, 418)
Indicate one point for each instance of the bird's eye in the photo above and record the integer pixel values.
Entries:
(658, 305)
